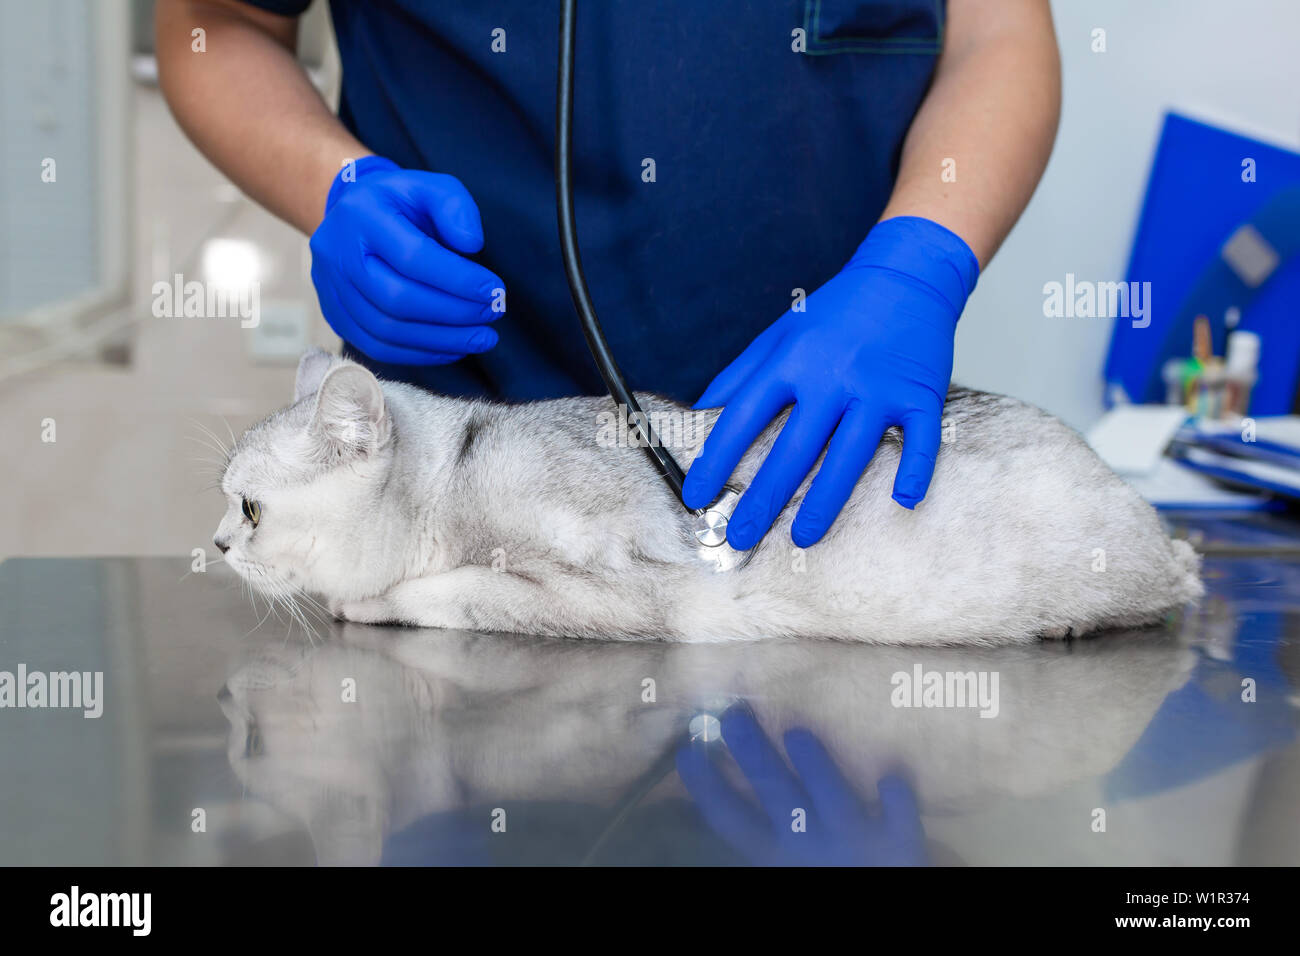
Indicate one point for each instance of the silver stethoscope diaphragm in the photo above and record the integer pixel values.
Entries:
(711, 533)
(705, 728)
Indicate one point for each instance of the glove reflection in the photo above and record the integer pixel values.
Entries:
(808, 816)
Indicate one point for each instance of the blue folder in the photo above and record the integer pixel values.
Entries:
(1196, 198)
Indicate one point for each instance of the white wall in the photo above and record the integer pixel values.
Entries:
(1231, 62)
(63, 92)
(129, 472)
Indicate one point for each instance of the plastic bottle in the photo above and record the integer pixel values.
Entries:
(1242, 371)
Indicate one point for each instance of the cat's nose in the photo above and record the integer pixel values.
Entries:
(222, 544)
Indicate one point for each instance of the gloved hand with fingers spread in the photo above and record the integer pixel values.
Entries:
(388, 262)
(872, 349)
(839, 828)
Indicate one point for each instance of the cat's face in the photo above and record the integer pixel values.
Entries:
(297, 743)
(303, 488)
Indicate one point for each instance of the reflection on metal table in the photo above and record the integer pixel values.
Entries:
(223, 740)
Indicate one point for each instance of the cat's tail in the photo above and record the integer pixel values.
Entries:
(1188, 564)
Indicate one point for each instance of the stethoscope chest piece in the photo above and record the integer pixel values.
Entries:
(705, 728)
(711, 533)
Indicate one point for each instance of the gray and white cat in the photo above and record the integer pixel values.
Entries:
(399, 506)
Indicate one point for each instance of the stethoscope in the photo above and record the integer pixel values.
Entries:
(710, 528)
(703, 730)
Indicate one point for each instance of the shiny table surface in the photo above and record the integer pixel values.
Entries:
(230, 736)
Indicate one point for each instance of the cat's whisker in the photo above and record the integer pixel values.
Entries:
(221, 450)
(215, 462)
(230, 431)
(309, 606)
(297, 603)
(213, 436)
(221, 559)
(205, 441)
(252, 592)
(310, 601)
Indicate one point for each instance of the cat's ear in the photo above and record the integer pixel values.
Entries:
(350, 419)
(311, 372)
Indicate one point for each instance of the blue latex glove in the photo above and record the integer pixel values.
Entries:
(388, 262)
(840, 831)
(873, 349)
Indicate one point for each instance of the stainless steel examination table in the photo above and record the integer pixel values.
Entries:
(222, 741)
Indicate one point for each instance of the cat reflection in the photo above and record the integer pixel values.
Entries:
(440, 746)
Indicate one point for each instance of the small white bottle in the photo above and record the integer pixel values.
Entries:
(1242, 371)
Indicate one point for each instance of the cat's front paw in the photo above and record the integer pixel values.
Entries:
(370, 611)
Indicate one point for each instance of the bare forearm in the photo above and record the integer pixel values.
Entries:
(248, 105)
(981, 140)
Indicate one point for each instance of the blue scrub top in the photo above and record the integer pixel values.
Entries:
(770, 165)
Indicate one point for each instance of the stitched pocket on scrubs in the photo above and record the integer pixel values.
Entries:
(873, 26)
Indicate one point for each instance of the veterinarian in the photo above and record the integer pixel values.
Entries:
(850, 164)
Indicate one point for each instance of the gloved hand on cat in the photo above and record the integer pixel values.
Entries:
(388, 262)
(873, 348)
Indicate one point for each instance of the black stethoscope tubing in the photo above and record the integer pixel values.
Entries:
(664, 462)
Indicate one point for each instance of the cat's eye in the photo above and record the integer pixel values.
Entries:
(252, 511)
